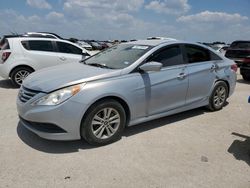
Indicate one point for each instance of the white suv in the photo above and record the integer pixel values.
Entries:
(22, 55)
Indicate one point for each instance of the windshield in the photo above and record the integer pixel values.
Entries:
(120, 56)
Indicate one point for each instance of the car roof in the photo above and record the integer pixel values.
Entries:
(241, 41)
(38, 38)
(154, 42)
(157, 42)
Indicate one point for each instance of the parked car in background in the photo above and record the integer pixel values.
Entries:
(245, 69)
(104, 45)
(221, 48)
(122, 86)
(84, 44)
(96, 46)
(21, 56)
(239, 51)
(109, 44)
(160, 38)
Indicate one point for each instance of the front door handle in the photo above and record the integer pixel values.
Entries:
(182, 75)
(62, 58)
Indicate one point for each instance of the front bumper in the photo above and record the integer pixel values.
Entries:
(64, 119)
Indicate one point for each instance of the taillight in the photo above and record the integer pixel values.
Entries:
(5, 56)
(234, 67)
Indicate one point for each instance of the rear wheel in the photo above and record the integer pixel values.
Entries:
(19, 74)
(103, 123)
(246, 77)
(218, 97)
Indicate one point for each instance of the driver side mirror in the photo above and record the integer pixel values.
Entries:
(151, 66)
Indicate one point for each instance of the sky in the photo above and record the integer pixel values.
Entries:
(191, 20)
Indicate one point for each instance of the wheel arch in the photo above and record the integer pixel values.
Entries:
(116, 98)
(19, 66)
(226, 82)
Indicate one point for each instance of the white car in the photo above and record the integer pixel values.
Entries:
(84, 44)
(21, 56)
(220, 48)
(160, 38)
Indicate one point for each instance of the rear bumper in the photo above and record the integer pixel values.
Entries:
(4, 71)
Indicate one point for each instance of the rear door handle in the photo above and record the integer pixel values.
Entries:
(62, 58)
(182, 75)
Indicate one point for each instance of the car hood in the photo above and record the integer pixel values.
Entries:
(53, 78)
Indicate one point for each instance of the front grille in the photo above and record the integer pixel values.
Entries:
(26, 94)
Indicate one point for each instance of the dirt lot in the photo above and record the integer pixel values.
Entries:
(192, 149)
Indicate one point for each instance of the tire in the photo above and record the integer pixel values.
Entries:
(218, 96)
(97, 130)
(19, 74)
(246, 77)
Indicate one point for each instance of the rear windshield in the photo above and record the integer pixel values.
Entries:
(241, 44)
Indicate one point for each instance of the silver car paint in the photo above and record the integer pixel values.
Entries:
(142, 92)
(61, 76)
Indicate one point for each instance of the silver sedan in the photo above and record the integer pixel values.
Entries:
(122, 86)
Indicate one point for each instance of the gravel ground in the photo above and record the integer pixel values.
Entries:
(192, 149)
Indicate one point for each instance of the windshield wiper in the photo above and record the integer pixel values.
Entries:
(99, 65)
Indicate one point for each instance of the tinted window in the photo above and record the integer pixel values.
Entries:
(213, 56)
(5, 45)
(40, 46)
(197, 54)
(2, 41)
(25, 45)
(169, 56)
(241, 44)
(68, 48)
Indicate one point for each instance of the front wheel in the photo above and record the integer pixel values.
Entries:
(219, 96)
(19, 74)
(103, 122)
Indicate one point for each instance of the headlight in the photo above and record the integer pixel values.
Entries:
(59, 96)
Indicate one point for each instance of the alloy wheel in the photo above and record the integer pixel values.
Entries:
(20, 76)
(105, 123)
(219, 96)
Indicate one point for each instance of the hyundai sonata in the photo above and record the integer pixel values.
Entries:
(122, 86)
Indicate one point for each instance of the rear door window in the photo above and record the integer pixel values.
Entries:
(168, 56)
(36, 45)
(197, 54)
(64, 47)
